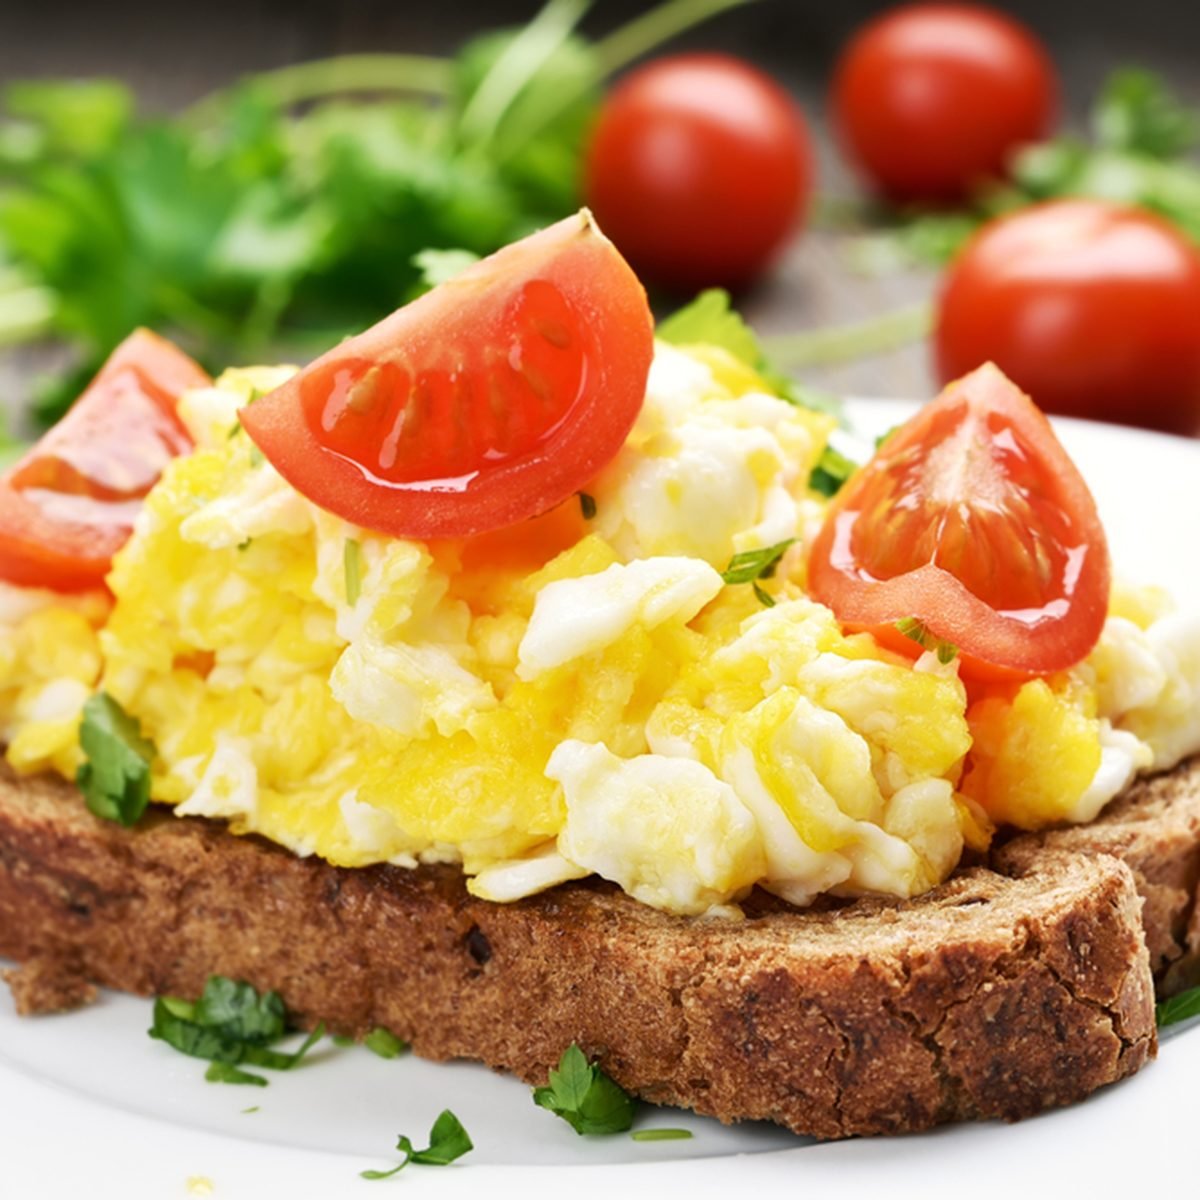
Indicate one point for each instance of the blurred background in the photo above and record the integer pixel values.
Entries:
(172, 57)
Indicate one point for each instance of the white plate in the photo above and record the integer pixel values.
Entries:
(91, 1107)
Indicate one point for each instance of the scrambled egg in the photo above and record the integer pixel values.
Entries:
(581, 697)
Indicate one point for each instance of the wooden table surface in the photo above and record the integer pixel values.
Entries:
(173, 54)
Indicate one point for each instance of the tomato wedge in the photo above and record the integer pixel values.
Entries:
(486, 401)
(69, 504)
(972, 520)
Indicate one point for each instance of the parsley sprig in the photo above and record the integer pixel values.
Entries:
(584, 1096)
(448, 1140)
(115, 777)
(232, 1026)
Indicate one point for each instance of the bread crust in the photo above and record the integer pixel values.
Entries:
(995, 995)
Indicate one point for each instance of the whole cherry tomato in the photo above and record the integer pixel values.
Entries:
(699, 169)
(931, 98)
(1092, 308)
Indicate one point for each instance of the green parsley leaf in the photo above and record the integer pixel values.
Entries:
(352, 566)
(752, 565)
(711, 320)
(233, 1008)
(384, 1043)
(448, 1140)
(661, 1135)
(440, 266)
(1178, 1008)
(832, 470)
(115, 778)
(230, 1025)
(223, 1072)
(585, 1097)
(1137, 112)
(587, 506)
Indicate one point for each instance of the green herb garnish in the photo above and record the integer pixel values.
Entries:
(832, 470)
(585, 1097)
(711, 320)
(448, 1140)
(352, 566)
(1178, 1008)
(440, 266)
(232, 1026)
(280, 214)
(115, 779)
(917, 631)
(587, 506)
(384, 1043)
(750, 566)
(661, 1135)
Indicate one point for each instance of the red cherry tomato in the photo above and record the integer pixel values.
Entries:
(489, 400)
(972, 520)
(1092, 308)
(699, 169)
(931, 98)
(69, 504)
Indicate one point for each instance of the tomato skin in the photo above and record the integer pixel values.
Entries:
(972, 520)
(485, 402)
(69, 504)
(929, 99)
(1092, 308)
(700, 168)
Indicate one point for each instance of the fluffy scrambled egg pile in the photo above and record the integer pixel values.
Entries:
(581, 695)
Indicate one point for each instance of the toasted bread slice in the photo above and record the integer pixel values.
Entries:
(992, 996)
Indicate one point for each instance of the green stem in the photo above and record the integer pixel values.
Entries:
(632, 40)
(26, 314)
(647, 32)
(844, 343)
(324, 77)
(521, 60)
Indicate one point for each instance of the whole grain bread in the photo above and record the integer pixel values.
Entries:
(999, 994)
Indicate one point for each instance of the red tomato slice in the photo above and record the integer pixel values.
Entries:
(489, 400)
(69, 504)
(972, 519)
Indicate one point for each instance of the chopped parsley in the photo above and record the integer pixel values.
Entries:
(661, 1135)
(832, 470)
(448, 1140)
(1178, 1008)
(752, 565)
(917, 631)
(232, 1026)
(115, 778)
(587, 506)
(352, 565)
(585, 1097)
(384, 1043)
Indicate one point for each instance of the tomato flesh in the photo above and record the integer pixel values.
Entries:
(972, 520)
(485, 402)
(70, 503)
